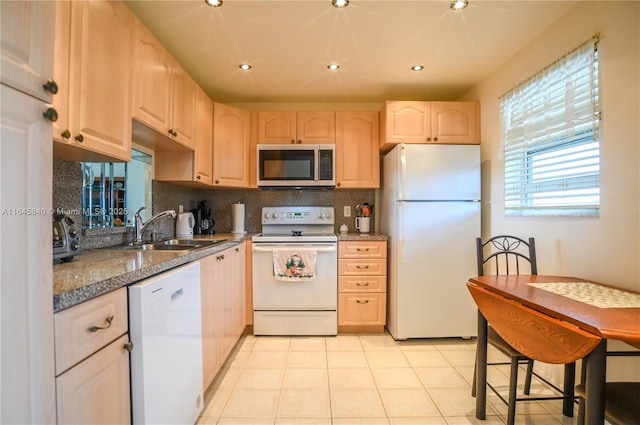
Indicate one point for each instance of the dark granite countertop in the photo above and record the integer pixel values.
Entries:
(362, 237)
(94, 272)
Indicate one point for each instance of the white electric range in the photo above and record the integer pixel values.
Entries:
(295, 272)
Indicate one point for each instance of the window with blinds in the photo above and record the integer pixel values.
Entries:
(551, 146)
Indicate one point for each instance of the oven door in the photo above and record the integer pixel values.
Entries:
(270, 294)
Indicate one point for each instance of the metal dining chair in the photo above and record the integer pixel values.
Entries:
(507, 254)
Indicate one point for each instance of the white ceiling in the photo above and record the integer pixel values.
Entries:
(289, 44)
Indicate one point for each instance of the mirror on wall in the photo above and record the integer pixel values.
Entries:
(113, 191)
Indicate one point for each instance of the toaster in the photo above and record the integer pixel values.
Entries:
(66, 238)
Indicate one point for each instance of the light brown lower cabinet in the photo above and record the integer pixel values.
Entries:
(96, 391)
(362, 286)
(222, 286)
(92, 361)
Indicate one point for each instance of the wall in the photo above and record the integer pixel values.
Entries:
(167, 196)
(605, 248)
(67, 197)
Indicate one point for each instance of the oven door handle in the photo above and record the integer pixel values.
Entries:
(294, 248)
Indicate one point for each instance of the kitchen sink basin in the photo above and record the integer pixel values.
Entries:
(167, 245)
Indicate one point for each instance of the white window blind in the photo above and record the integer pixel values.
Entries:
(551, 145)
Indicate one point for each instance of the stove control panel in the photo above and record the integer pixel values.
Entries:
(302, 215)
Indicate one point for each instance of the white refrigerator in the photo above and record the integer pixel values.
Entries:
(430, 210)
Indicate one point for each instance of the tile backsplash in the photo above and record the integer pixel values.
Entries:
(67, 195)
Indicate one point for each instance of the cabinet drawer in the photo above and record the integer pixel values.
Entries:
(368, 249)
(360, 309)
(362, 267)
(76, 330)
(362, 284)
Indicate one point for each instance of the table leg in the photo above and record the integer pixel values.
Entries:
(481, 368)
(596, 371)
(569, 389)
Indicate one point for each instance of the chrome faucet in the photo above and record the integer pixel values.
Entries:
(140, 227)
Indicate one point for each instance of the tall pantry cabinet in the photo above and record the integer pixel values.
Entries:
(27, 385)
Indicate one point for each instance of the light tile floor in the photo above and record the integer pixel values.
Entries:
(359, 379)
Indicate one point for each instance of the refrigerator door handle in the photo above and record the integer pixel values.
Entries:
(402, 193)
(402, 212)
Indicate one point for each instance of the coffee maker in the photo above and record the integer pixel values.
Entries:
(203, 221)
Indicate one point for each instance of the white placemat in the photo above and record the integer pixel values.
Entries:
(592, 294)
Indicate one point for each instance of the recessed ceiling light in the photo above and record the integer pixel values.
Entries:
(459, 4)
(417, 68)
(214, 3)
(340, 3)
(245, 66)
(333, 66)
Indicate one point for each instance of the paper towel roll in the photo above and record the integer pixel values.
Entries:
(237, 218)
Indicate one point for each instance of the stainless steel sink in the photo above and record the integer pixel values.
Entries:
(167, 245)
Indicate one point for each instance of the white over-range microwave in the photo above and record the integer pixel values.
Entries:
(296, 166)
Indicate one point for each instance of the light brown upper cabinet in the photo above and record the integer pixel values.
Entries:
(164, 95)
(357, 153)
(296, 127)
(92, 67)
(191, 168)
(429, 122)
(231, 127)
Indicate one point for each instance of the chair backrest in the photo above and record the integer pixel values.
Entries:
(506, 253)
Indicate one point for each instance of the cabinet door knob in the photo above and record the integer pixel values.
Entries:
(51, 114)
(362, 301)
(50, 87)
(217, 181)
(198, 177)
(338, 184)
(65, 134)
(79, 138)
(293, 141)
(428, 139)
(435, 139)
(299, 141)
(129, 346)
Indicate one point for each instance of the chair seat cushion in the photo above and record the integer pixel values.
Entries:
(622, 402)
(502, 345)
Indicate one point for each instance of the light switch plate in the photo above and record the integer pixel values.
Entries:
(347, 211)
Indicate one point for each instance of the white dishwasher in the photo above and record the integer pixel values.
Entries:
(166, 361)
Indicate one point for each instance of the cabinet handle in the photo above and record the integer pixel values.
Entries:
(173, 133)
(362, 267)
(362, 301)
(428, 139)
(339, 184)
(299, 142)
(362, 283)
(293, 141)
(79, 138)
(217, 181)
(109, 320)
(362, 249)
(198, 178)
(237, 249)
(435, 139)
(51, 114)
(129, 346)
(65, 134)
(50, 87)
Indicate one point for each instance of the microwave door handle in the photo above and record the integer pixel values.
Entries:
(316, 162)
